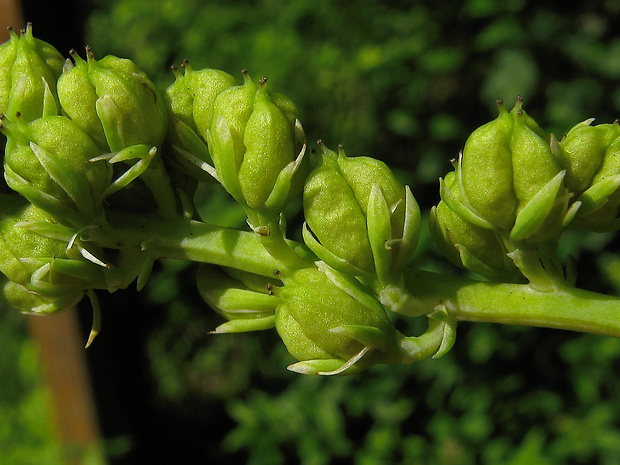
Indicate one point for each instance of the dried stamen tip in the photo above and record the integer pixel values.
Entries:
(28, 31)
(500, 106)
(262, 81)
(176, 72)
(89, 53)
(616, 121)
(186, 66)
(246, 76)
(519, 102)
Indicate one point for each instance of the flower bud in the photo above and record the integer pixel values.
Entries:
(590, 155)
(510, 179)
(47, 161)
(42, 272)
(365, 221)
(257, 146)
(467, 245)
(331, 330)
(28, 75)
(245, 299)
(190, 102)
(113, 101)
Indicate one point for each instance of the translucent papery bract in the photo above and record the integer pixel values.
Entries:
(364, 220)
(30, 68)
(48, 162)
(245, 299)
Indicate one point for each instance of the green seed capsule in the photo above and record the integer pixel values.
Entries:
(582, 151)
(206, 85)
(16, 296)
(245, 299)
(40, 272)
(234, 106)
(363, 217)
(328, 330)
(329, 200)
(487, 171)
(8, 52)
(591, 157)
(191, 97)
(30, 69)
(509, 178)
(269, 142)
(113, 101)
(18, 243)
(190, 102)
(257, 147)
(467, 245)
(532, 160)
(47, 161)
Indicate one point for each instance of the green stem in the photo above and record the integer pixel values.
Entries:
(186, 239)
(271, 231)
(468, 300)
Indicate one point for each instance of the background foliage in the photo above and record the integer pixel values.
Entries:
(404, 81)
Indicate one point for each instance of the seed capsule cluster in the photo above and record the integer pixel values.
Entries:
(514, 190)
(101, 168)
(83, 138)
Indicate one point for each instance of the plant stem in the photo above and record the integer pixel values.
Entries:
(468, 300)
(186, 239)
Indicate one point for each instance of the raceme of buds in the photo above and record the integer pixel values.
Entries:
(510, 180)
(467, 245)
(331, 330)
(257, 146)
(245, 299)
(47, 161)
(113, 101)
(44, 268)
(190, 102)
(591, 157)
(29, 68)
(365, 221)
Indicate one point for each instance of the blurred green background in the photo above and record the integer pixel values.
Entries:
(403, 81)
